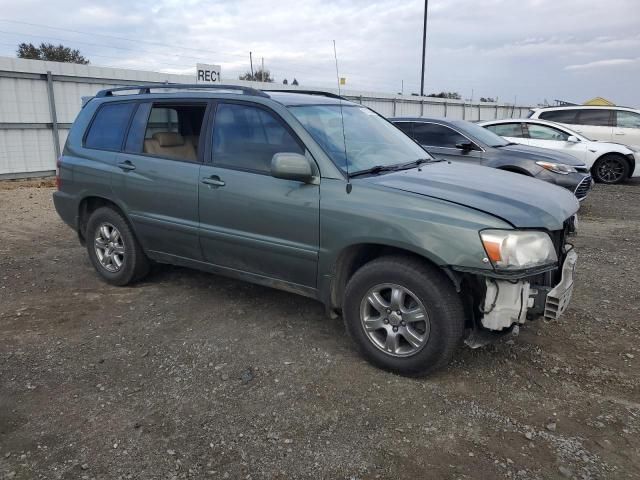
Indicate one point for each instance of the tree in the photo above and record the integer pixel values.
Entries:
(51, 52)
(450, 95)
(488, 99)
(295, 82)
(285, 82)
(258, 76)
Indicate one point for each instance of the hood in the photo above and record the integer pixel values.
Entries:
(540, 154)
(522, 201)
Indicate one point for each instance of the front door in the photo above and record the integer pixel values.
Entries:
(627, 129)
(250, 221)
(545, 136)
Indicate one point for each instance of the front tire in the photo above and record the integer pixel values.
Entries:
(610, 169)
(113, 249)
(403, 315)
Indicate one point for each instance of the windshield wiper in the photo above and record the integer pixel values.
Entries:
(504, 145)
(394, 168)
(374, 170)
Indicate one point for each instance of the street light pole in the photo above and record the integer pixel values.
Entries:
(424, 46)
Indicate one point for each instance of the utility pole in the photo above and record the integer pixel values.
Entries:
(262, 72)
(424, 46)
(251, 63)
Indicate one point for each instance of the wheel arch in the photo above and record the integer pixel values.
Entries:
(630, 159)
(90, 204)
(353, 257)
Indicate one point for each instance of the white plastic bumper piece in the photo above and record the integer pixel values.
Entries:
(506, 303)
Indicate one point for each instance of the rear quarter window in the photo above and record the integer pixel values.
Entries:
(109, 126)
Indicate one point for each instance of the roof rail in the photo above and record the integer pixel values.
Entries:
(311, 92)
(146, 88)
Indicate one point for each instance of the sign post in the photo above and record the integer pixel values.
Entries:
(207, 73)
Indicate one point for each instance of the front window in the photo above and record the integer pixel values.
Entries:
(513, 130)
(364, 140)
(434, 135)
(627, 119)
(481, 134)
(542, 132)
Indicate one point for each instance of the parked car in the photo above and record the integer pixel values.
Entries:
(608, 162)
(609, 124)
(322, 197)
(467, 142)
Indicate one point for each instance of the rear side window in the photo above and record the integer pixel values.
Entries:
(434, 135)
(170, 131)
(109, 126)
(598, 118)
(560, 116)
(627, 119)
(507, 129)
(247, 138)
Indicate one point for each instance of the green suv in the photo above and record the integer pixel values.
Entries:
(313, 194)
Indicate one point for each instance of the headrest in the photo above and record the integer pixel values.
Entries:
(168, 139)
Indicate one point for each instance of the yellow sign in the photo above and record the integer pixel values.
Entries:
(343, 81)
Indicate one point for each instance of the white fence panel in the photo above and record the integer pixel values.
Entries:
(28, 144)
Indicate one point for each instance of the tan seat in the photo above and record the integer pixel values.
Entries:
(170, 144)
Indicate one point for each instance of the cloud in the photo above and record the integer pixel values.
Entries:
(613, 62)
(530, 49)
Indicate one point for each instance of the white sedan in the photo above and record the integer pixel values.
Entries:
(609, 162)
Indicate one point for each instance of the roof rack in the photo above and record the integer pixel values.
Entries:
(146, 88)
(311, 92)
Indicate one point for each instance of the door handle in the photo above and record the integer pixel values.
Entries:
(619, 133)
(213, 181)
(126, 166)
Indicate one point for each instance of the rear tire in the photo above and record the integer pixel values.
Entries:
(113, 248)
(380, 309)
(610, 169)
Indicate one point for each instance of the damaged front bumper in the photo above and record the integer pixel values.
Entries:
(511, 302)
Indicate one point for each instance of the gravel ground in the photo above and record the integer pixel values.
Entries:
(190, 375)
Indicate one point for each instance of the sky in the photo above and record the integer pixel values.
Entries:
(527, 51)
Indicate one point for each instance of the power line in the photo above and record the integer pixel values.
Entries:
(116, 37)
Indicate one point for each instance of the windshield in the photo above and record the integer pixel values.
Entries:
(482, 134)
(370, 140)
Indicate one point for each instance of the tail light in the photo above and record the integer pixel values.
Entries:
(58, 179)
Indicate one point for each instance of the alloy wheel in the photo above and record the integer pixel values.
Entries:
(109, 247)
(394, 320)
(611, 170)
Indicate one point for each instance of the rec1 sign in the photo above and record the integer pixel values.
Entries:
(207, 73)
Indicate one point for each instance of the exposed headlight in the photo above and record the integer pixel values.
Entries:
(560, 168)
(518, 249)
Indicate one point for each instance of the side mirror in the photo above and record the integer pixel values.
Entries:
(573, 139)
(291, 166)
(465, 147)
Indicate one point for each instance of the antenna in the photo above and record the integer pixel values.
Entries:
(344, 136)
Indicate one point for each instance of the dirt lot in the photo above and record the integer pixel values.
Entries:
(190, 375)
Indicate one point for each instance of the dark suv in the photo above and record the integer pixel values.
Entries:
(322, 197)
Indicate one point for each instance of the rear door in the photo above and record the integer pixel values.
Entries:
(250, 221)
(595, 123)
(545, 136)
(627, 129)
(445, 142)
(158, 176)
